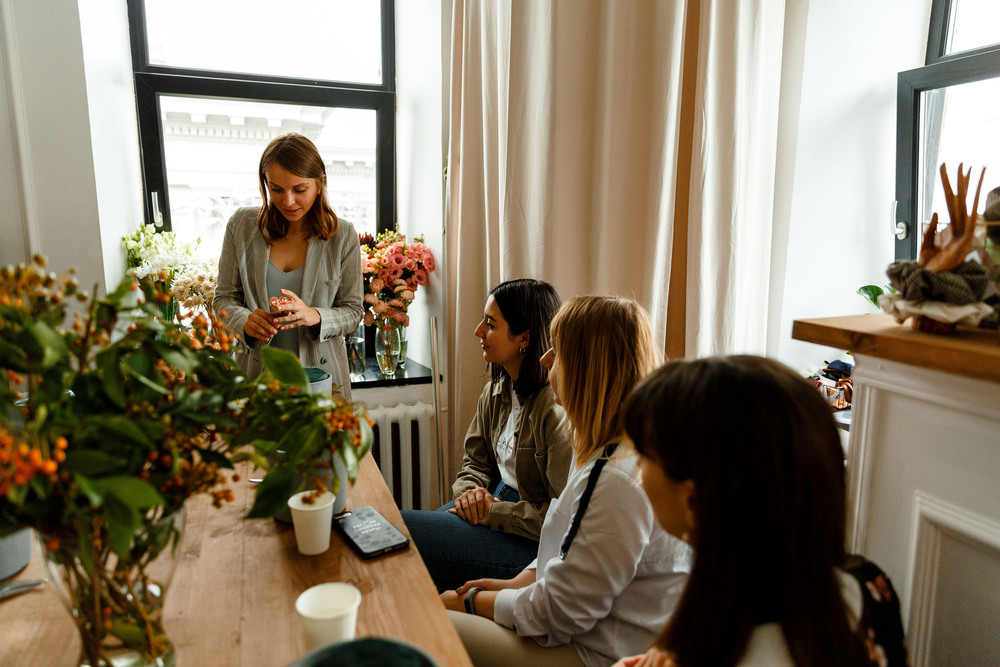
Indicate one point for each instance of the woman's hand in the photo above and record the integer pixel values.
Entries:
(294, 312)
(654, 657)
(474, 506)
(260, 324)
(453, 601)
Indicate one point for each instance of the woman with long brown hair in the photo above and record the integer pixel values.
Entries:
(290, 270)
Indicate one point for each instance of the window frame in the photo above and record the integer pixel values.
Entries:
(939, 71)
(153, 80)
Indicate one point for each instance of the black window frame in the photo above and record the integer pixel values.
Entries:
(940, 71)
(153, 80)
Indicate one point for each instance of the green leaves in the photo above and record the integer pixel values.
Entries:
(285, 368)
(273, 493)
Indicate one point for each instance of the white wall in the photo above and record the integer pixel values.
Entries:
(419, 155)
(836, 177)
(67, 132)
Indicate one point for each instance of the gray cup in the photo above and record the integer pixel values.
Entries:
(15, 552)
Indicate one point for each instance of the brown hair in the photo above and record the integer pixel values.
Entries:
(605, 346)
(297, 155)
(762, 449)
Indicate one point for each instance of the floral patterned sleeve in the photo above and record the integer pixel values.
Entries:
(881, 624)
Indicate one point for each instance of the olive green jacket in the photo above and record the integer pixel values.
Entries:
(542, 455)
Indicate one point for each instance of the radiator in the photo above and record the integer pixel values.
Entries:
(404, 451)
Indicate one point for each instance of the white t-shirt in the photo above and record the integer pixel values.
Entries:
(507, 442)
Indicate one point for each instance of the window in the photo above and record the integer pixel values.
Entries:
(946, 112)
(215, 82)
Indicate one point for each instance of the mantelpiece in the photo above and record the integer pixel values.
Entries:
(923, 465)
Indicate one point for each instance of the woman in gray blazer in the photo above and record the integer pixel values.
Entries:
(290, 271)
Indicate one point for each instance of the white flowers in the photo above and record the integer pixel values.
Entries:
(194, 286)
(151, 253)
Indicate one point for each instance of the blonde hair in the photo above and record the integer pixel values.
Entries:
(298, 155)
(604, 345)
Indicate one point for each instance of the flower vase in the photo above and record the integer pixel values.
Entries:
(402, 347)
(387, 350)
(117, 605)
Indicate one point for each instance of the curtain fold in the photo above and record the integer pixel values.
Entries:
(577, 129)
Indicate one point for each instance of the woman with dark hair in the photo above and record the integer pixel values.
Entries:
(517, 449)
(290, 270)
(606, 576)
(740, 457)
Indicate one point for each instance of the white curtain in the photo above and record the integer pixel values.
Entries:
(616, 147)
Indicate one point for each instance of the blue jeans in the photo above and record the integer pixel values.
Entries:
(456, 551)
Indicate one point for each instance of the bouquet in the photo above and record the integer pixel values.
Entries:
(392, 270)
(111, 417)
(158, 257)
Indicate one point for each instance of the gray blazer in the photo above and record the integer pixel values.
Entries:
(331, 284)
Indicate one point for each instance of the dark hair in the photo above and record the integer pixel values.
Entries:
(527, 305)
(762, 449)
(297, 155)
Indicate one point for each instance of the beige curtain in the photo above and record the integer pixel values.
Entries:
(584, 139)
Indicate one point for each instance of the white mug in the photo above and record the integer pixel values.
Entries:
(329, 613)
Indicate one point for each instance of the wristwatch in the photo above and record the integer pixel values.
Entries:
(470, 599)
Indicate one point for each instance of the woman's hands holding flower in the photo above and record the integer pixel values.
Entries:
(292, 312)
(260, 325)
(474, 506)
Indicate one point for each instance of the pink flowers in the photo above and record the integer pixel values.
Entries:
(393, 269)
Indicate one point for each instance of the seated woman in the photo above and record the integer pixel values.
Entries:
(607, 576)
(740, 457)
(517, 449)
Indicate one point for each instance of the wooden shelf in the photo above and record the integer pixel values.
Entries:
(970, 352)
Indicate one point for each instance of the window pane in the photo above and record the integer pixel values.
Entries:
(958, 124)
(331, 40)
(974, 23)
(212, 148)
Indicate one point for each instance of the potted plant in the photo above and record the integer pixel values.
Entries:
(111, 416)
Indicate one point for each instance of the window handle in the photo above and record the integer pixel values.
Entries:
(899, 229)
(157, 213)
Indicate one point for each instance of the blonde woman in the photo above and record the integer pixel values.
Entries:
(607, 576)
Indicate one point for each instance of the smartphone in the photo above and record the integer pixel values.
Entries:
(369, 532)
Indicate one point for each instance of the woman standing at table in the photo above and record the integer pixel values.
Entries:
(517, 449)
(607, 576)
(295, 253)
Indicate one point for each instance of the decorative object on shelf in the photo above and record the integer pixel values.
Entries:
(991, 256)
(393, 269)
(942, 288)
(111, 418)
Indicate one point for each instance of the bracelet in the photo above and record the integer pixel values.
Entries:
(470, 599)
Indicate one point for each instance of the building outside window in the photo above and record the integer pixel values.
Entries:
(216, 81)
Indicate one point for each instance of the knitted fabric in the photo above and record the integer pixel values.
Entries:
(966, 284)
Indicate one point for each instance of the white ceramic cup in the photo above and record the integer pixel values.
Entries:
(329, 613)
(312, 522)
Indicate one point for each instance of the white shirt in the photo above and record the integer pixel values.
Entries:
(618, 584)
(506, 443)
(767, 646)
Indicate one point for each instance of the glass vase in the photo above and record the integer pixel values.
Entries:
(356, 353)
(402, 347)
(117, 605)
(387, 350)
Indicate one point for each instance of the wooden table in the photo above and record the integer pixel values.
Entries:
(232, 598)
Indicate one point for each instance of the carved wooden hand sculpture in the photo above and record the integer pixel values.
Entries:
(963, 226)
